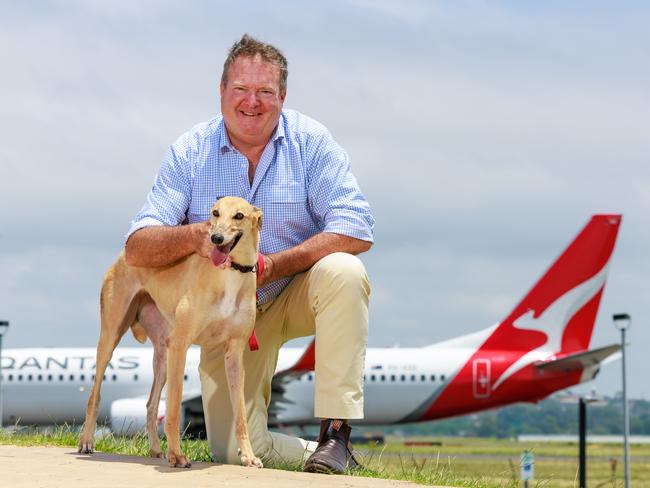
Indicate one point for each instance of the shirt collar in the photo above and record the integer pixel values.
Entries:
(225, 145)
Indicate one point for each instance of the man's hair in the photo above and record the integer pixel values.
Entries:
(248, 46)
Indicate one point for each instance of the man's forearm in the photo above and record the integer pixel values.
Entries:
(163, 245)
(303, 256)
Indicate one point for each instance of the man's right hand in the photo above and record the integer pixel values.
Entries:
(201, 235)
(162, 245)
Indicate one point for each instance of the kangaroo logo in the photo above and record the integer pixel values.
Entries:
(553, 321)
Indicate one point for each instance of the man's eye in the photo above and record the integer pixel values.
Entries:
(239, 216)
(215, 213)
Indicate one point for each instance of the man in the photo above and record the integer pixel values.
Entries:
(315, 221)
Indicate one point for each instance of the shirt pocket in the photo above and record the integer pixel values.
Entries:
(287, 193)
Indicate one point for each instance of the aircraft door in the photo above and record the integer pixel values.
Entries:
(481, 381)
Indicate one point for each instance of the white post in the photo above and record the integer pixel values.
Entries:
(626, 417)
(1, 373)
(622, 322)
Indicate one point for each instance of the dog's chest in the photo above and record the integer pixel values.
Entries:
(226, 317)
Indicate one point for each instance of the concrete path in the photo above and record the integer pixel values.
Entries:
(54, 467)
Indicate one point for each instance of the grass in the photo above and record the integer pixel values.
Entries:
(462, 462)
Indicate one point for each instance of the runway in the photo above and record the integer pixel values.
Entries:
(54, 467)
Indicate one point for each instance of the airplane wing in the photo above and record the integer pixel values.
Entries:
(579, 360)
(304, 364)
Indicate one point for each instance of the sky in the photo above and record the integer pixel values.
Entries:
(484, 135)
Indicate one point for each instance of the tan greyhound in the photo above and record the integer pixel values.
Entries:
(202, 301)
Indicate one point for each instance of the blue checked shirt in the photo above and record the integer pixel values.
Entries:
(302, 183)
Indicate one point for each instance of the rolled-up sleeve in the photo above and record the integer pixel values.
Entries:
(334, 194)
(169, 198)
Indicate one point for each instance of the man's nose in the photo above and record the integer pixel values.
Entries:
(217, 239)
(251, 98)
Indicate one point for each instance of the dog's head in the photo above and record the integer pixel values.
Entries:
(232, 218)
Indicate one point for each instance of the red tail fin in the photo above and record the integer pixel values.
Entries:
(556, 318)
(562, 306)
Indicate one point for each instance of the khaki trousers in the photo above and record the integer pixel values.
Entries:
(329, 300)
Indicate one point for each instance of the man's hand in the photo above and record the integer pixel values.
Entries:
(268, 269)
(201, 235)
(161, 245)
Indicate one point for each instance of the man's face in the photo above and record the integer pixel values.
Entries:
(251, 101)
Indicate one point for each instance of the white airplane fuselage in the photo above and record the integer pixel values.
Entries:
(51, 385)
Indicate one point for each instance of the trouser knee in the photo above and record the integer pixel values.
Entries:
(341, 273)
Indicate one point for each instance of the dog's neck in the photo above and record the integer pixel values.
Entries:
(243, 269)
(244, 256)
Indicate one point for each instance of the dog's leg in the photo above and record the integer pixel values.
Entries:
(234, 359)
(157, 330)
(118, 311)
(177, 345)
(159, 379)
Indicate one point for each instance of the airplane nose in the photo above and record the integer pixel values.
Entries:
(217, 239)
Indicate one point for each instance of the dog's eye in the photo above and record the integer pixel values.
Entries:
(215, 213)
(239, 216)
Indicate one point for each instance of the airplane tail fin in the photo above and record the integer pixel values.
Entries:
(559, 312)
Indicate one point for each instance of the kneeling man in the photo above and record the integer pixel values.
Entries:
(315, 221)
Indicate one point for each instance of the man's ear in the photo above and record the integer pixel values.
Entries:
(257, 213)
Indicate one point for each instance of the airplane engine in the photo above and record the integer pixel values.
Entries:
(129, 416)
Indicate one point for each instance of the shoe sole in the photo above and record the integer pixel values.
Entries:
(321, 468)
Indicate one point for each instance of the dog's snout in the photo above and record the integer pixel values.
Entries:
(217, 239)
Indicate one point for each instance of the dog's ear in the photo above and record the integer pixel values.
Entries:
(257, 213)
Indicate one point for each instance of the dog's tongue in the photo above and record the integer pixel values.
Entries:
(219, 255)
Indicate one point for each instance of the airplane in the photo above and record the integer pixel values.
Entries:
(542, 346)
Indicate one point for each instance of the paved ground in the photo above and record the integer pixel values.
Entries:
(54, 467)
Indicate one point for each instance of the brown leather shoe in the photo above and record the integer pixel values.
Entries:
(332, 455)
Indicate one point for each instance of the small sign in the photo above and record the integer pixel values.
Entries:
(527, 464)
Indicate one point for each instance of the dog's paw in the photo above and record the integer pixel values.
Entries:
(179, 461)
(156, 454)
(86, 445)
(251, 462)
